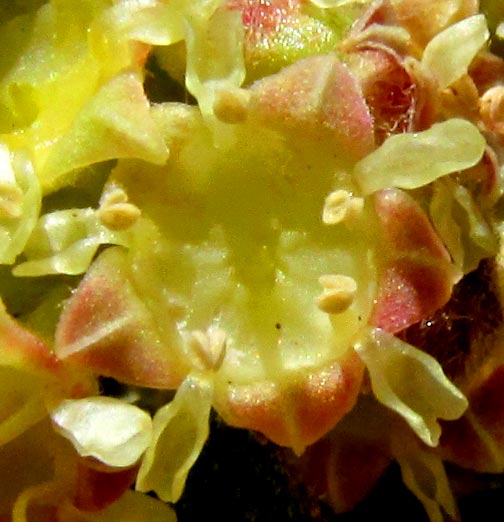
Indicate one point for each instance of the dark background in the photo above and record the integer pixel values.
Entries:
(240, 478)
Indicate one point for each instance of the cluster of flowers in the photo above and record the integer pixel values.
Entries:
(270, 250)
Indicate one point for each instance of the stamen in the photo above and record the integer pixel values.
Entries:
(341, 205)
(231, 105)
(491, 106)
(11, 196)
(115, 212)
(208, 348)
(339, 293)
(11, 200)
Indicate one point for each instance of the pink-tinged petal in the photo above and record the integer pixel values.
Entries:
(409, 291)
(106, 328)
(344, 111)
(319, 95)
(406, 227)
(314, 402)
(417, 275)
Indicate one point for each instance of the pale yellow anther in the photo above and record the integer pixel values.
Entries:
(208, 348)
(341, 205)
(491, 106)
(231, 105)
(114, 195)
(500, 31)
(115, 212)
(339, 293)
(11, 196)
(11, 200)
(119, 216)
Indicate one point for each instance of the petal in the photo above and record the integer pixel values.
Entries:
(424, 19)
(417, 275)
(106, 327)
(406, 226)
(65, 242)
(461, 42)
(315, 400)
(410, 290)
(115, 123)
(112, 431)
(180, 431)
(20, 200)
(424, 474)
(412, 160)
(322, 95)
(411, 383)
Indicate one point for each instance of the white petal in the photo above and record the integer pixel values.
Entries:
(108, 429)
(412, 383)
